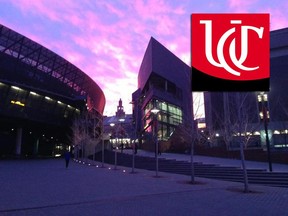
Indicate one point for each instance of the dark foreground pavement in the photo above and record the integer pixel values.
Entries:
(46, 187)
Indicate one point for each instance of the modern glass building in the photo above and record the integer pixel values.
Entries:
(40, 95)
(163, 85)
(221, 107)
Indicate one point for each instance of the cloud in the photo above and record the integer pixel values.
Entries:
(238, 6)
(278, 17)
(107, 39)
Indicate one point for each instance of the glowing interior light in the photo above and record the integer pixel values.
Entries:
(47, 98)
(59, 102)
(17, 103)
(33, 93)
(15, 87)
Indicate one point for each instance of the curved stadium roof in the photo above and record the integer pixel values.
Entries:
(74, 84)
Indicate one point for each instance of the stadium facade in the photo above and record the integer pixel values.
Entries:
(40, 95)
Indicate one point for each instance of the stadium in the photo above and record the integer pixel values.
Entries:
(40, 95)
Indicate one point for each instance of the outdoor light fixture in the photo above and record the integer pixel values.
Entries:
(121, 120)
(264, 116)
(155, 111)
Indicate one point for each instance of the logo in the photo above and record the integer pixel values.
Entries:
(230, 52)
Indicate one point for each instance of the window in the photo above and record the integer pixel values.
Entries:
(168, 118)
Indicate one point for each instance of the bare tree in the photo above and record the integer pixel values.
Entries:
(186, 134)
(86, 131)
(187, 131)
(238, 125)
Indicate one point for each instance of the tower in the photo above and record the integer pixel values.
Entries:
(120, 110)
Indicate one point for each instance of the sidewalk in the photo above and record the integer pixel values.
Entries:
(276, 167)
(46, 187)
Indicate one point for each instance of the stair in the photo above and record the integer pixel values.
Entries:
(212, 171)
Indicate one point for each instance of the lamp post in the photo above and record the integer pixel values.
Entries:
(102, 144)
(120, 120)
(263, 99)
(155, 112)
(115, 151)
(135, 119)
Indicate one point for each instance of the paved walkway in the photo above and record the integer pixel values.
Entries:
(46, 187)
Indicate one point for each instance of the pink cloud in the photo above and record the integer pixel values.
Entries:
(278, 18)
(112, 9)
(238, 6)
(107, 39)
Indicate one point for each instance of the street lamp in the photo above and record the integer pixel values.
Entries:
(265, 117)
(135, 119)
(120, 120)
(102, 143)
(115, 151)
(155, 111)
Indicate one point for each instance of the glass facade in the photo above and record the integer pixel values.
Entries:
(168, 117)
(28, 104)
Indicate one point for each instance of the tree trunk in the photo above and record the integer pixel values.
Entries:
(245, 174)
(192, 163)
(240, 119)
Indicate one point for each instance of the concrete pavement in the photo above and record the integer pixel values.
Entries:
(46, 187)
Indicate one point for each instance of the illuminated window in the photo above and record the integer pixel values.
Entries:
(201, 125)
(17, 103)
(168, 118)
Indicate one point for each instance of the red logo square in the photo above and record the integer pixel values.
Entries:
(230, 50)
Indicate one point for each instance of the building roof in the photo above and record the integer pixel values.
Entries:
(30, 53)
(113, 119)
(160, 60)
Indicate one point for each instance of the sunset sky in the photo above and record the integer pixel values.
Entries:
(107, 38)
